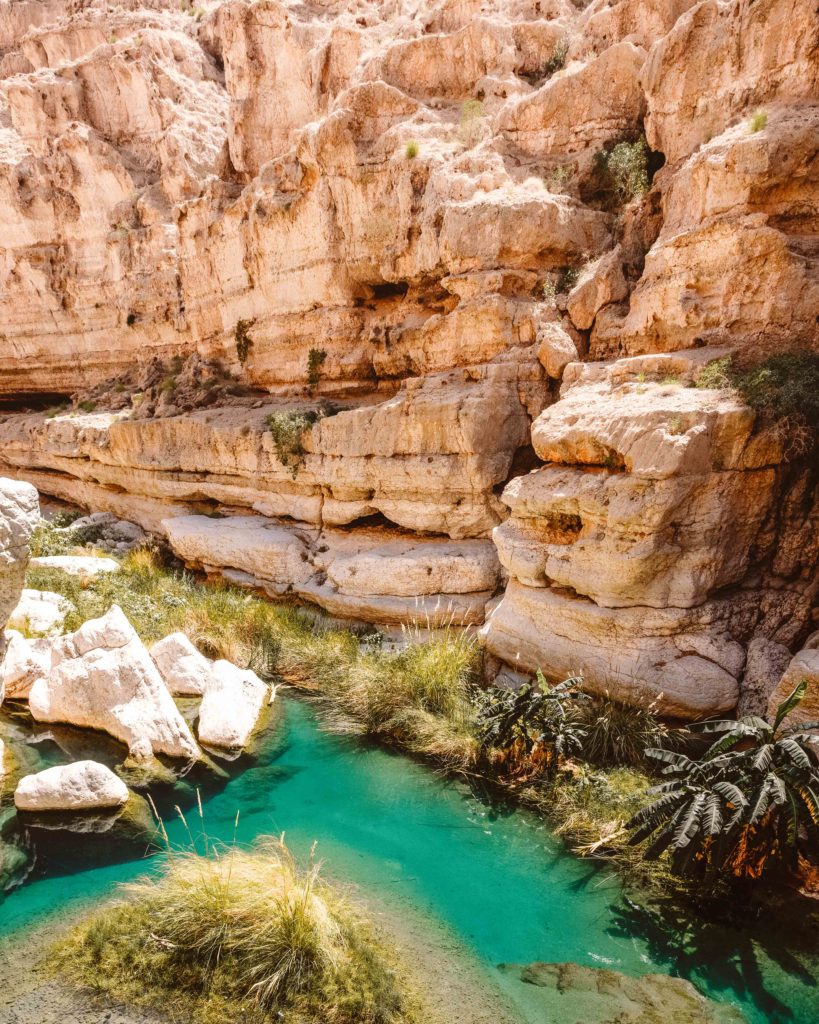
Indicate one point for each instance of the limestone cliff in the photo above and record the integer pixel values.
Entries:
(395, 306)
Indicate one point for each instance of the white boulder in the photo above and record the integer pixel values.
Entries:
(26, 661)
(231, 706)
(108, 681)
(186, 672)
(41, 612)
(83, 786)
(76, 565)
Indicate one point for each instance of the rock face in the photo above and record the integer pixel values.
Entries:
(397, 292)
(82, 786)
(105, 679)
(19, 512)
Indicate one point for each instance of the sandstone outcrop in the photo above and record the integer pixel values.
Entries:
(82, 786)
(400, 295)
(19, 513)
(105, 679)
(376, 575)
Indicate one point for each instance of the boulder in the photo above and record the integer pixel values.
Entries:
(186, 672)
(231, 706)
(26, 661)
(82, 786)
(40, 612)
(108, 681)
(76, 565)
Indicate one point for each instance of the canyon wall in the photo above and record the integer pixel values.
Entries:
(389, 307)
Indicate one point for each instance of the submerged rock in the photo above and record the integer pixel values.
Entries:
(596, 995)
(108, 681)
(83, 786)
(231, 706)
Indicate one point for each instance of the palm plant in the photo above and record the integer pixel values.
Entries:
(533, 728)
(749, 804)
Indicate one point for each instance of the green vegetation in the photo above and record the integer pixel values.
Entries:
(567, 278)
(749, 805)
(316, 358)
(86, 405)
(531, 730)
(556, 178)
(287, 429)
(419, 697)
(623, 170)
(783, 390)
(238, 935)
(618, 734)
(411, 150)
(557, 61)
(759, 120)
(244, 342)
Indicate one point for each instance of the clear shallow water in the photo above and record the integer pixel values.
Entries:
(501, 884)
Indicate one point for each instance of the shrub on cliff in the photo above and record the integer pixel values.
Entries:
(783, 390)
(287, 429)
(623, 170)
(238, 935)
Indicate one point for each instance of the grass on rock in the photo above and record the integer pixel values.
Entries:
(239, 935)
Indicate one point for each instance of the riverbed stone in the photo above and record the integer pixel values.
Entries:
(76, 565)
(82, 786)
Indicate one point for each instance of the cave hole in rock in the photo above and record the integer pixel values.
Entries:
(35, 401)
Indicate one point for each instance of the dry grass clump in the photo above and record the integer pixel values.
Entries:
(240, 935)
(418, 696)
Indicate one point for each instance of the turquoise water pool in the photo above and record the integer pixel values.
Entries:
(499, 882)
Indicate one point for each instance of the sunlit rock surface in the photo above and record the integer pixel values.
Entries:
(82, 786)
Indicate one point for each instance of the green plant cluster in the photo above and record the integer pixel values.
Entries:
(750, 804)
(624, 169)
(316, 358)
(287, 429)
(244, 343)
(783, 389)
